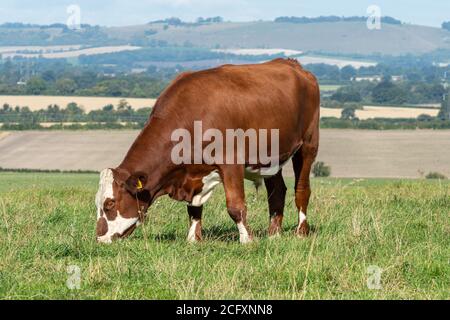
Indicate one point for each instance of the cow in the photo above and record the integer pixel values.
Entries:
(275, 95)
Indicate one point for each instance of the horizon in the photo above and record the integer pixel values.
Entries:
(162, 19)
(123, 13)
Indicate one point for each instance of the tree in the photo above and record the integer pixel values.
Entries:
(321, 170)
(348, 72)
(36, 85)
(446, 25)
(73, 108)
(123, 105)
(348, 114)
(108, 108)
(66, 86)
(444, 112)
(347, 94)
(424, 117)
(388, 92)
(435, 175)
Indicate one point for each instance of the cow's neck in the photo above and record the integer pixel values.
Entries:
(150, 154)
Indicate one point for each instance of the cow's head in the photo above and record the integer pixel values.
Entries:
(121, 203)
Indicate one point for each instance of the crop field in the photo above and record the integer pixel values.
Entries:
(60, 52)
(399, 228)
(371, 112)
(96, 103)
(350, 153)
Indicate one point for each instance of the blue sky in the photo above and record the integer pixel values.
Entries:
(128, 12)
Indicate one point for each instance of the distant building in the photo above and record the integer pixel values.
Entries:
(138, 70)
(368, 78)
(376, 78)
(397, 78)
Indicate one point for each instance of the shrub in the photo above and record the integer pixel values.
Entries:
(435, 175)
(321, 170)
(348, 113)
(425, 117)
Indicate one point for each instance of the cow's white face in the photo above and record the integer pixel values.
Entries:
(117, 212)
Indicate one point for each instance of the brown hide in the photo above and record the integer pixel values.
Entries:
(275, 95)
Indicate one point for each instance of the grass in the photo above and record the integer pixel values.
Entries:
(329, 87)
(401, 226)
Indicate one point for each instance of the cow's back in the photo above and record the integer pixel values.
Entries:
(277, 94)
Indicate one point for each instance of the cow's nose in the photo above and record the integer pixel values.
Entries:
(102, 227)
(104, 239)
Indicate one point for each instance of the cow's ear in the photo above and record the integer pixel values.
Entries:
(136, 182)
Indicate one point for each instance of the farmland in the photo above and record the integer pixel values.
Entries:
(59, 52)
(400, 227)
(350, 153)
(303, 59)
(95, 103)
(87, 103)
(371, 112)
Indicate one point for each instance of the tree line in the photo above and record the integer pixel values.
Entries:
(123, 116)
(72, 113)
(43, 77)
(390, 92)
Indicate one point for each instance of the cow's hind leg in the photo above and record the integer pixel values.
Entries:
(302, 162)
(195, 221)
(233, 183)
(276, 194)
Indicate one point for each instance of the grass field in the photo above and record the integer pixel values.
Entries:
(400, 226)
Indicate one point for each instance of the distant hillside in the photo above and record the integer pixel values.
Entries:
(343, 36)
(352, 37)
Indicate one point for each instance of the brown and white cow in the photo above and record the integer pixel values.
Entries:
(276, 95)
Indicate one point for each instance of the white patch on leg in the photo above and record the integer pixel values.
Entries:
(191, 235)
(244, 237)
(301, 218)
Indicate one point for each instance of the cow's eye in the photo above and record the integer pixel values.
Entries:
(109, 204)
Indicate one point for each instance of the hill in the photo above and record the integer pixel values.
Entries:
(339, 37)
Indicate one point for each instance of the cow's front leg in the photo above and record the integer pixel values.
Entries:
(195, 221)
(233, 183)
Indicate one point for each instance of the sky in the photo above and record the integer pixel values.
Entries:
(131, 12)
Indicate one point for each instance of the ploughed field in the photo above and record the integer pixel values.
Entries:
(401, 227)
(350, 153)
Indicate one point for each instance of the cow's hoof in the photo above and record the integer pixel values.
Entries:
(244, 239)
(194, 240)
(274, 231)
(302, 230)
(195, 232)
